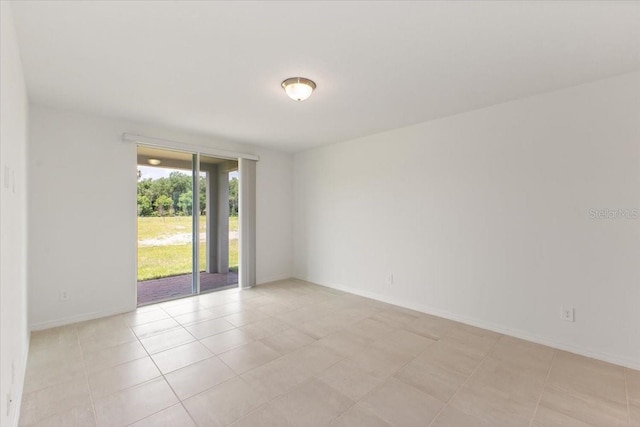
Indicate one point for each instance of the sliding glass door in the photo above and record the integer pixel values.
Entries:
(218, 225)
(185, 221)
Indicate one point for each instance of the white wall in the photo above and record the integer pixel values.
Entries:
(14, 332)
(484, 217)
(82, 223)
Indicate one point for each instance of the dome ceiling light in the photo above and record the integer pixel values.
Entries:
(154, 162)
(298, 88)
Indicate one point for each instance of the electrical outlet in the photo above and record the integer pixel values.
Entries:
(567, 314)
(390, 279)
(64, 295)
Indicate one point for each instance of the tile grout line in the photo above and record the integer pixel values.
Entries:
(544, 385)
(465, 381)
(382, 381)
(86, 377)
(180, 401)
(163, 377)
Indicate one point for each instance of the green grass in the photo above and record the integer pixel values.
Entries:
(170, 260)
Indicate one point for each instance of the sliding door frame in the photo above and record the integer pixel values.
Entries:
(247, 196)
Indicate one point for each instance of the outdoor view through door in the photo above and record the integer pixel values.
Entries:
(168, 214)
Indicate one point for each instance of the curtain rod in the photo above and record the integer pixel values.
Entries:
(176, 145)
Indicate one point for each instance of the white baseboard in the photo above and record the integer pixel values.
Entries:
(274, 279)
(80, 318)
(621, 361)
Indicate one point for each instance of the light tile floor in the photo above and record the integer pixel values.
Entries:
(296, 354)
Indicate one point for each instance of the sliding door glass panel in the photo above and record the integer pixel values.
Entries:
(218, 224)
(165, 225)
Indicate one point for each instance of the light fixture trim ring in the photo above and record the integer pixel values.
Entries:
(292, 87)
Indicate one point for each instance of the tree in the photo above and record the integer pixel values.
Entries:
(144, 206)
(163, 205)
(185, 202)
(233, 196)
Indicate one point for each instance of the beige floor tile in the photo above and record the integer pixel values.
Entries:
(166, 340)
(546, 417)
(56, 399)
(209, 327)
(633, 385)
(44, 372)
(248, 356)
(471, 340)
(223, 404)
(109, 338)
(123, 376)
(225, 309)
(451, 417)
(450, 356)
(175, 416)
(379, 362)
(245, 317)
(403, 343)
(259, 300)
(433, 380)
(581, 375)
(216, 300)
(313, 358)
(429, 326)
(155, 328)
(50, 340)
(276, 377)
(359, 416)
(346, 343)
(321, 327)
(521, 384)
(264, 328)
(198, 377)
(103, 325)
(282, 374)
(133, 404)
(276, 308)
(264, 416)
(395, 318)
(312, 350)
(402, 405)
(81, 416)
(224, 341)
(634, 416)
(556, 404)
(493, 408)
(188, 307)
(501, 394)
(137, 317)
(149, 307)
(312, 403)
(370, 329)
(287, 341)
(522, 353)
(349, 379)
(195, 317)
(98, 360)
(181, 356)
(299, 316)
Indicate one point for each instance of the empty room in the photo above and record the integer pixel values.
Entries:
(306, 213)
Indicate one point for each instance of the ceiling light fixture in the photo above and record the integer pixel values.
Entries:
(298, 88)
(154, 162)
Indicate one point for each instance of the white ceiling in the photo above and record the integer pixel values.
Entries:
(216, 68)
